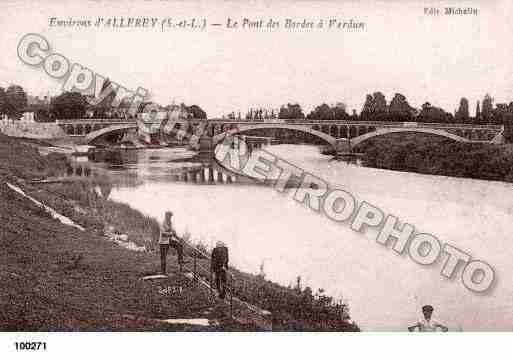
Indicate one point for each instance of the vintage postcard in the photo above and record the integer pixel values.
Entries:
(255, 166)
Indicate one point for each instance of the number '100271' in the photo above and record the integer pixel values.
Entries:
(30, 345)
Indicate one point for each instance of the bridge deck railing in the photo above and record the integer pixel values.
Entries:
(78, 121)
(360, 123)
(299, 122)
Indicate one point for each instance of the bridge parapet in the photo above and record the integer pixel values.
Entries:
(329, 131)
(93, 120)
(345, 129)
(83, 126)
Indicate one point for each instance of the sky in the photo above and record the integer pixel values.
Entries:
(427, 58)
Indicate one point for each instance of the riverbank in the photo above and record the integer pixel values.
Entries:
(435, 156)
(32, 130)
(57, 277)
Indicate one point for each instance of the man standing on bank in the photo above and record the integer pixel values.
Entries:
(428, 324)
(219, 266)
(168, 238)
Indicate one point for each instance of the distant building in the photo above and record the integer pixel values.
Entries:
(28, 117)
(38, 101)
(178, 112)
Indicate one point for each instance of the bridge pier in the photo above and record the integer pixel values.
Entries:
(342, 145)
(220, 177)
(210, 175)
(206, 144)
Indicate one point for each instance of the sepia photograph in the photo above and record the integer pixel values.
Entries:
(213, 169)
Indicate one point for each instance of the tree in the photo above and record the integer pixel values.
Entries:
(375, 108)
(197, 112)
(431, 113)
(380, 105)
(367, 108)
(291, 111)
(322, 113)
(502, 114)
(340, 112)
(400, 109)
(68, 105)
(43, 115)
(486, 112)
(507, 121)
(478, 113)
(325, 112)
(462, 115)
(16, 101)
(3, 101)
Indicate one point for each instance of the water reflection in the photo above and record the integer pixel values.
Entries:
(79, 169)
(206, 174)
(135, 167)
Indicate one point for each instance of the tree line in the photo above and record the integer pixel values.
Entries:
(13, 102)
(376, 108)
(74, 105)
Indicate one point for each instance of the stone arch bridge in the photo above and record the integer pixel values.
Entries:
(341, 135)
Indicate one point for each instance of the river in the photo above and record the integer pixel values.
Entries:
(384, 290)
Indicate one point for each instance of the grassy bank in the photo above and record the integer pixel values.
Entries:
(436, 156)
(21, 159)
(56, 277)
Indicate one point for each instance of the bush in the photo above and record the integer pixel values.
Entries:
(429, 155)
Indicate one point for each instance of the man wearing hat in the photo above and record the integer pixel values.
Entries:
(428, 324)
(219, 266)
(168, 238)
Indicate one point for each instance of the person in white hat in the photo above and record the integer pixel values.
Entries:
(427, 323)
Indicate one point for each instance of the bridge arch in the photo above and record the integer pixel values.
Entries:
(94, 135)
(380, 132)
(334, 131)
(279, 126)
